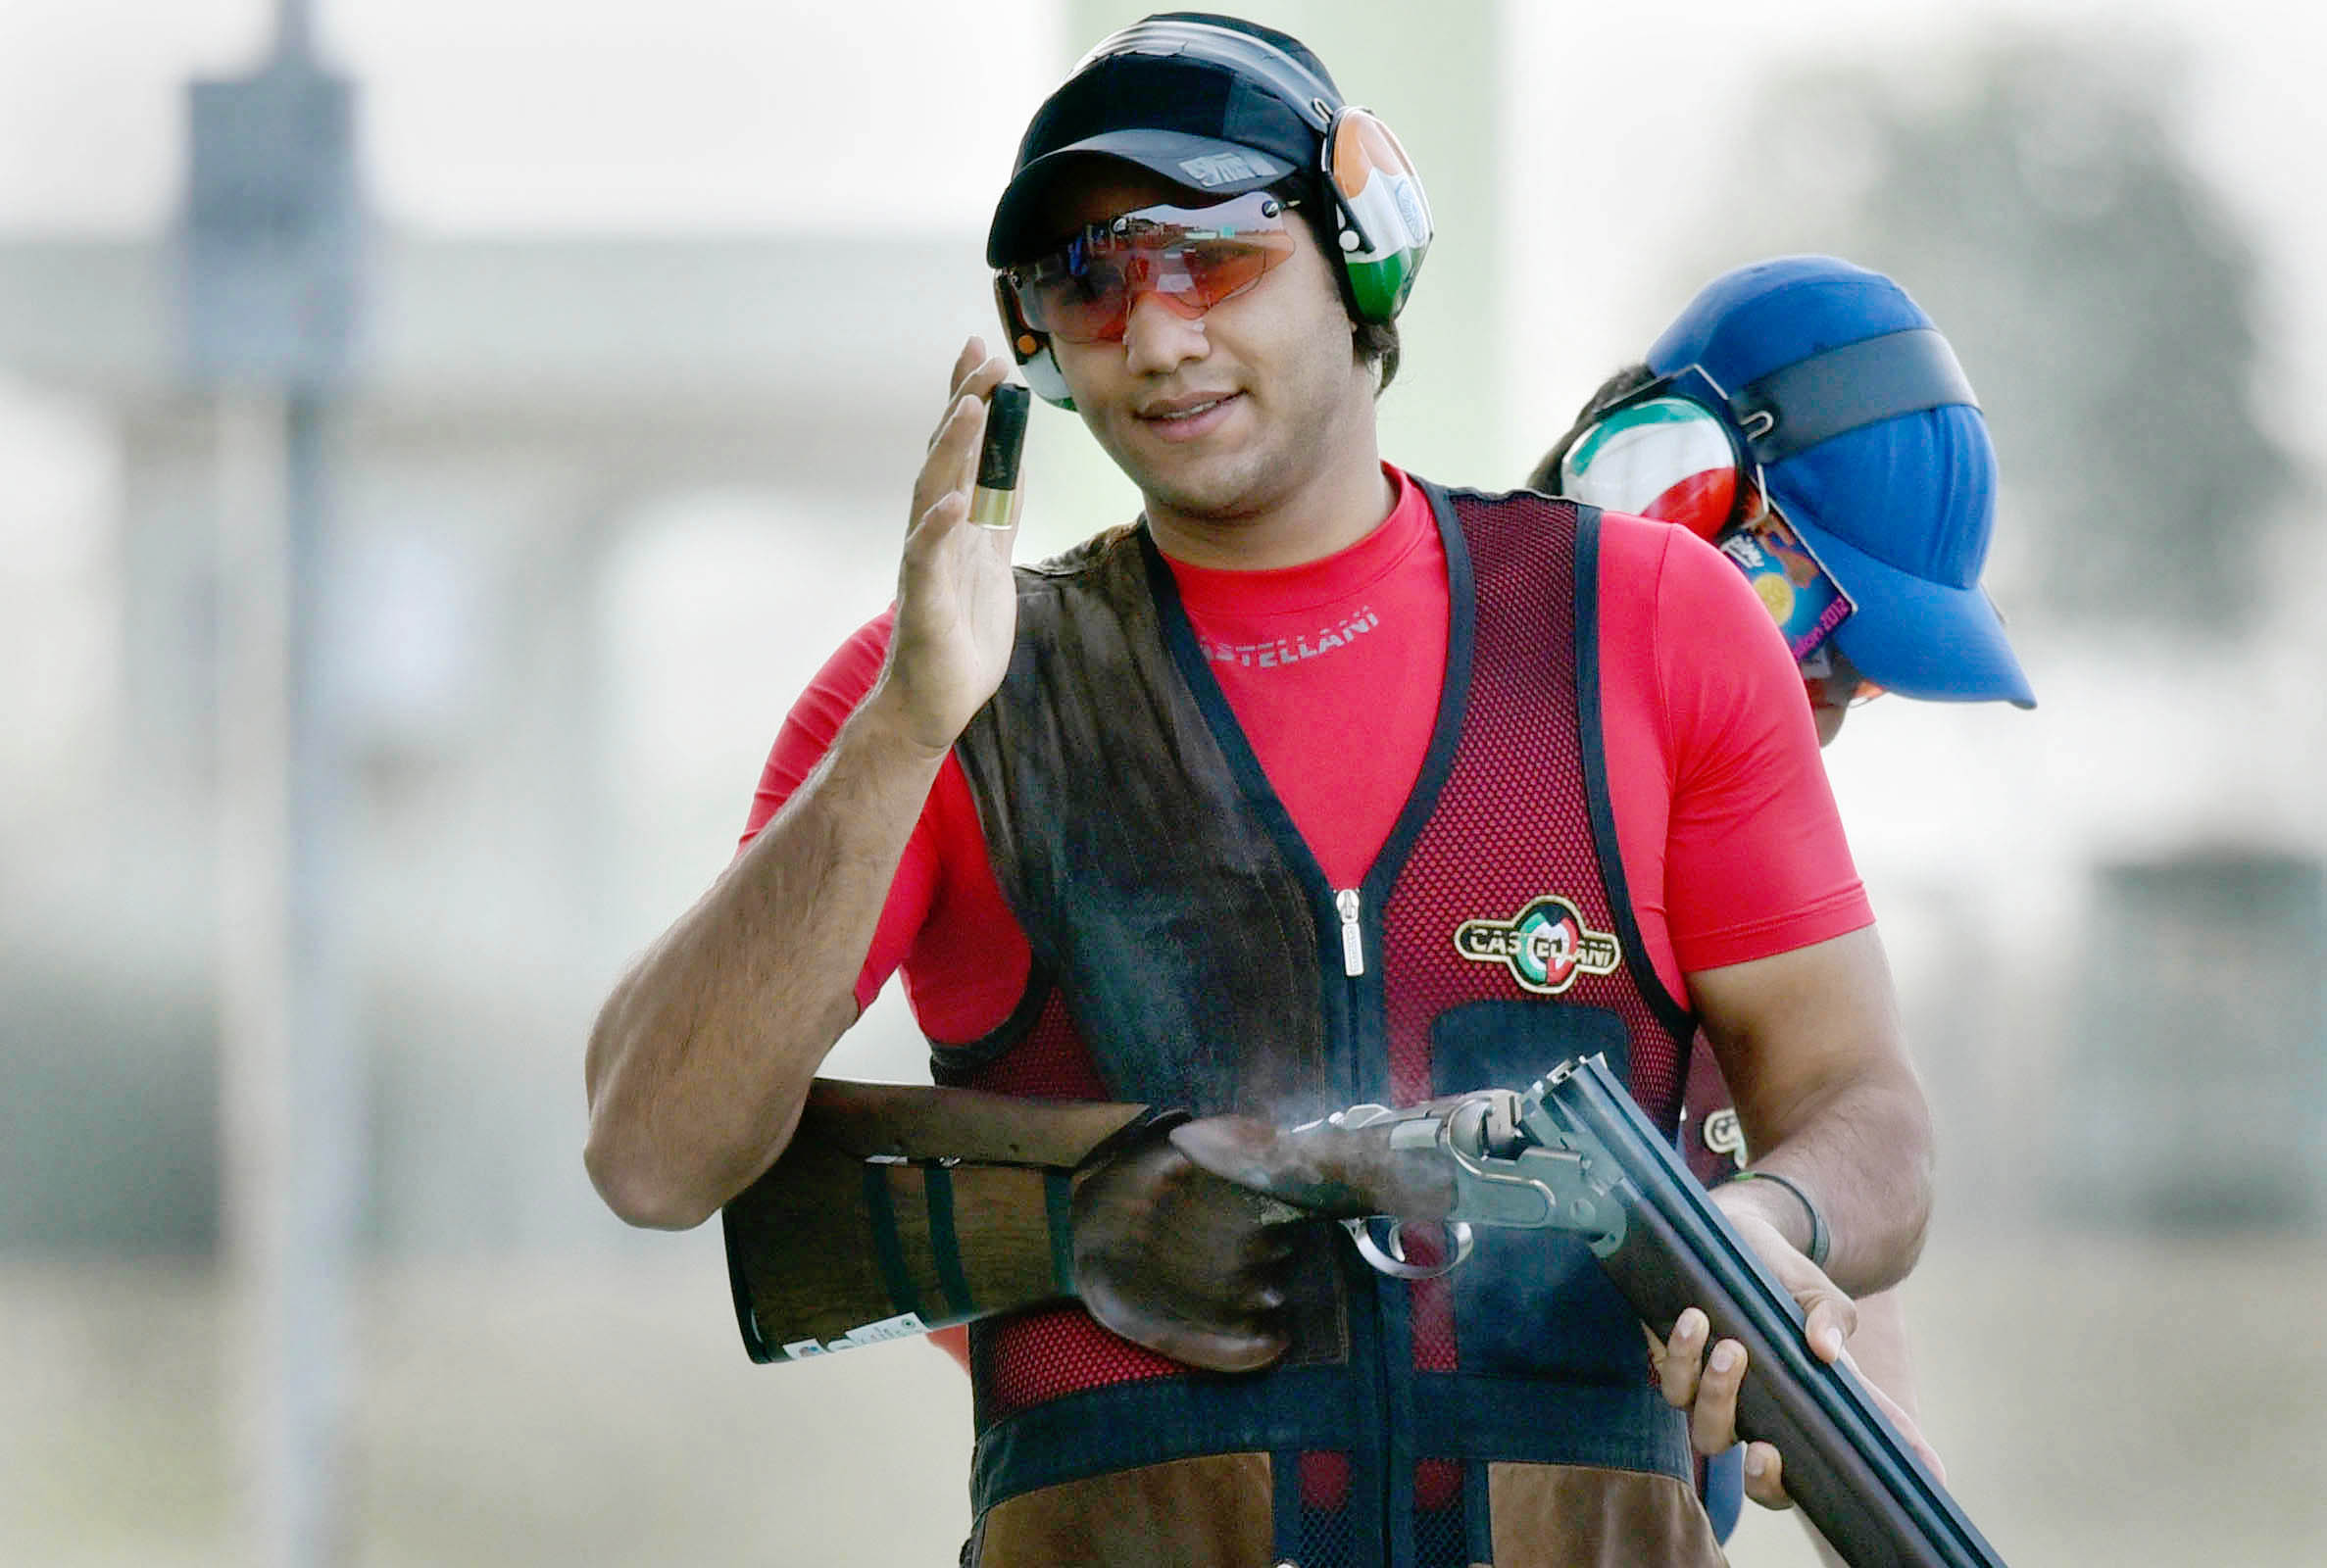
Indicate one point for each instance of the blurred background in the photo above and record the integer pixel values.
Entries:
(436, 449)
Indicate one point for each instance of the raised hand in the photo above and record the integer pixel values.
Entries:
(957, 604)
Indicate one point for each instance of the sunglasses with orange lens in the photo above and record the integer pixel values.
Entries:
(1190, 258)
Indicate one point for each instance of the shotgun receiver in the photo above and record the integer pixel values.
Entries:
(1575, 1152)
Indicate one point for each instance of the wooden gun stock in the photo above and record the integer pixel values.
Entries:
(898, 1209)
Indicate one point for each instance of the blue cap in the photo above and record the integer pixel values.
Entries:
(1900, 511)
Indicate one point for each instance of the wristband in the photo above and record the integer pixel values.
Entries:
(1820, 1242)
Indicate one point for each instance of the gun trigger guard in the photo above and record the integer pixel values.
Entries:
(1388, 1256)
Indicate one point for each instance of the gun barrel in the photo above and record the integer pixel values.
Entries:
(1846, 1465)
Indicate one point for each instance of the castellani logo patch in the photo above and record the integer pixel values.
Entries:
(1546, 946)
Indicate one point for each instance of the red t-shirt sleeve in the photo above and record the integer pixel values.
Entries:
(945, 922)
(806, 736)
(1731, 847)
(815, 718)
(1756, 860)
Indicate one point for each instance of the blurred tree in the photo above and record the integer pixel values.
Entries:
(2037, 199)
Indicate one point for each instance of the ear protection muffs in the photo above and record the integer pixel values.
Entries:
(1659, 451)
(1381, 219)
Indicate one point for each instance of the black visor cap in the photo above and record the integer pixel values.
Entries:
(1198, 127)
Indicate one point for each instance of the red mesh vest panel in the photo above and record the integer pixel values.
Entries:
(1502, 943)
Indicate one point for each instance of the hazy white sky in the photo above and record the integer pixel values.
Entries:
(609, 114)
(529, 113)
(1642, 91)
(689, 112)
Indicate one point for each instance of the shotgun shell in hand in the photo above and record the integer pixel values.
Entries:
(998, 460)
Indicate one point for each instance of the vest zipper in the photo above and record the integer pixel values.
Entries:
(1348, 906)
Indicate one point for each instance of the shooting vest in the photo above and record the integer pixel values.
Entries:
(1189, 952)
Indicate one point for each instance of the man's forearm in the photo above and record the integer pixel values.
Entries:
(702, 1055)
(1864, 1154)
(1809, 1042)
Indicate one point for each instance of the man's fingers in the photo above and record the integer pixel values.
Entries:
(1219, 1351)
(938, 549)
(954, 451)
(1679, 1358)
(1233, 1345)
(951, 464)
(1325, 1170)
(1765, 1476)
(984, 377)
(933, 523)
(1254, 1157)
(1314, 1174)
(1896, 1414)
(956, 456)
(976, 375)
(976, 371)
(973, 354)
(1924, 1449)
(966, 364)
(1831, 1319)
(1712, 1416)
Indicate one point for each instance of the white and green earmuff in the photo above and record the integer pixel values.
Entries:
(1383, 221)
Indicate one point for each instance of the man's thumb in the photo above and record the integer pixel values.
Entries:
(1257, 1158)
(1341, 1172)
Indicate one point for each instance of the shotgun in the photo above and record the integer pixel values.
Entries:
(1575, 1153)
(898, 1209)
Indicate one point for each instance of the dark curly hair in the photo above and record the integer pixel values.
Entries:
(1376, 346)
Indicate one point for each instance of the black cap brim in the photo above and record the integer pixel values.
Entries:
(1205, 168)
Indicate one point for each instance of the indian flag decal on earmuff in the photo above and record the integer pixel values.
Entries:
(1388, 224)
(1546, 946)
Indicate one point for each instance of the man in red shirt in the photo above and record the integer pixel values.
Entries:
(1192, 815)
(1866, 544)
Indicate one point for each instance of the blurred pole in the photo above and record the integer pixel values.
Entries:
(294, 29)
(289, 1118)
(254, 725)
(272, 245)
